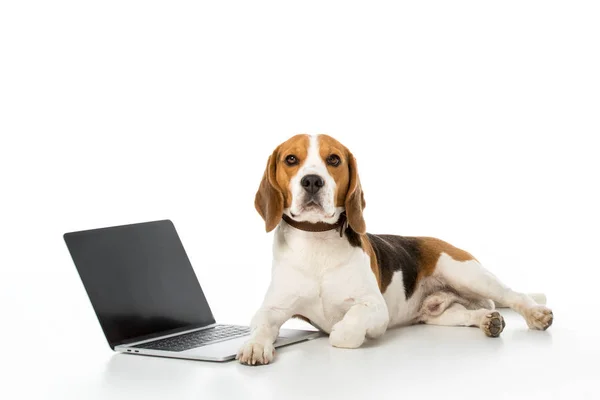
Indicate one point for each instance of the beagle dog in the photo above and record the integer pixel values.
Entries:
(351, 284)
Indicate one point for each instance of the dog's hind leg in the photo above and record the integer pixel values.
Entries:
(446, 308)
(473, 280)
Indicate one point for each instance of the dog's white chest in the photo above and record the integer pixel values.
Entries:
(327, 273)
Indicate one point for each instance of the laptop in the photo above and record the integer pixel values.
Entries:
(147, 297)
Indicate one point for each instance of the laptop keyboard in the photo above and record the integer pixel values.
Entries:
(197, 338)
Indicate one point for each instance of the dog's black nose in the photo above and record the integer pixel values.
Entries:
(312, 183)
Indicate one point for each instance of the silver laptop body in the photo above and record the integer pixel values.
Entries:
(218, 351)
(147, 297)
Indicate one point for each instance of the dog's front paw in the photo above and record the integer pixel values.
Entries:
(255, 352)
(539, 317)
(347, 336)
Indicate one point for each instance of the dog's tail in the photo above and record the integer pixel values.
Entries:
(539, 298)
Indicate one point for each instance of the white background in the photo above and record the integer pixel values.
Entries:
(472, 121)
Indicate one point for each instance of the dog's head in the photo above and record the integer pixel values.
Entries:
(313, 179)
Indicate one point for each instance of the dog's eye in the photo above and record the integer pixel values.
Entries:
(333, 160)
(291, 160)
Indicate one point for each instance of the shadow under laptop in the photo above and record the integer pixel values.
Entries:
(133, 373)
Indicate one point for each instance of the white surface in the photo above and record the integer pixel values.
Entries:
(422, 361)
(476, 122)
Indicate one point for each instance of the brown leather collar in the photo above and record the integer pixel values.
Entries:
(340, 225)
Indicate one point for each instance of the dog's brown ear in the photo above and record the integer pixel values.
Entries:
(269, 198)
(355, 199)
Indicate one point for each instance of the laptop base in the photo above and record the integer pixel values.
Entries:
(221, 351)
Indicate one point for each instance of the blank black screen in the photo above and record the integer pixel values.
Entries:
(139, 280)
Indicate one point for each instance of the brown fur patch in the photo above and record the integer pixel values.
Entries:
(341, 174)
(274, 190)
(368, 248)
(349, 192)
(430, 250)
(295, 146)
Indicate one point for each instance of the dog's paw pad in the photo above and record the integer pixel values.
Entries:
(493, 324)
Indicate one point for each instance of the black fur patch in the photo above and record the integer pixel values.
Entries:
(395, 253)
(353, 238)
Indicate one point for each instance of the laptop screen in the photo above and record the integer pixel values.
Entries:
(139, 280)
